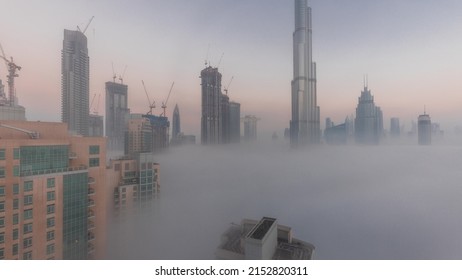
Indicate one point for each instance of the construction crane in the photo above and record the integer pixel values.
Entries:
(86, 27)
(121, 77)
(151, 105)
(95, 109)
(164, 105)
(32, 134)
(227, 87)
(113, 73)
(12, 67)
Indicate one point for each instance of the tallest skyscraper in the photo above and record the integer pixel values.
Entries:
(305, 125)
(75, 80)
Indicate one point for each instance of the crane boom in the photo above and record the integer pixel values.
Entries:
(88, 24)
(151, 105)
(164, 105)
(227, 87)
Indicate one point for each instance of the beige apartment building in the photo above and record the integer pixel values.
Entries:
(53, 194)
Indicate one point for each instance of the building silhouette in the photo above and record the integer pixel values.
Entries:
(95, 125)
(75, 77)
(262, 240)
(53, 195)
(117, 115)
(250, 127)
(176, 124)
(395, 129)
(424, 128)
(305, 123)
(234, 122)
(369, 119)
(138, 136)
(211, 120)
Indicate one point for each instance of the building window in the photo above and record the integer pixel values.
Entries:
(94, 150)
(117, 167)
(15, 204)
(50, 209)
(50, 182)
(94, 162)
(2, 237)
(27, 214)
(50, 196)
(15, 188)
(2, 154)
(15, 249)
(2, 171)
(15, 219)
(50, 222)
(27, 256)
(2, 222)
(27, 228)
(28, 199)
(2, 206)
(16, 154)
(16, 171)
(2, 253)
(50, 235)
(2, 190)
(15, 234)
(28, 186)
(27, 242)
(50, 249)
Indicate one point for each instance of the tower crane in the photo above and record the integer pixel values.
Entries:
(151, 105)
(86, 27)
(121, 77)
(164, 105)
(12, 67)
(227, 87)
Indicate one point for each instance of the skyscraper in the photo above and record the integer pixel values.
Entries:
(234, 122)
(117, 114)
(75, 76)
(250, 128)
(211, 120)
(369, 119)
(424, 129)
(394, 127)
(176, 128)
(305, 124)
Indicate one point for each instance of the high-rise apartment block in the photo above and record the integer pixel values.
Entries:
(211, 121)
(305, 123)
(95, 126)
(424, 128)
(250, 127)
(134, 182)
(75, 81)
(262, 240)
(53, 195)
(234, 122)
(117, 115)
(138, 137)
(369, 119)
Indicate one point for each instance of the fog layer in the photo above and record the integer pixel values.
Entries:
(351, 202)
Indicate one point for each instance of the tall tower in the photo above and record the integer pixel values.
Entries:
(117, 115)
(424, 129)
(369, 119)
(75, 77)
(176, 128)
(305, 124)
(211, 121)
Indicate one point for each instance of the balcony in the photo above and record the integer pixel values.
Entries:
(90, 225)
(91, 191)
(72, 155)
(129, 181)
(90, 248)
(90, 236)
(91, 214)
(91, 180)
(91, 203)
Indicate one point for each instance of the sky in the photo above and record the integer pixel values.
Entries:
(351, 202)
(410, 51)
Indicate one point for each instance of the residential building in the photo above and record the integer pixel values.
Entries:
(134, 182)
(262, 240)
(117, 115)
(95, 126)
(234, 122)
(75, 80)
(250, 128)
(160, 127)
(305, 123)
(138, 137)
(52, 192)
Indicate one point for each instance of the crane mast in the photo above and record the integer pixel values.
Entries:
(12, 67)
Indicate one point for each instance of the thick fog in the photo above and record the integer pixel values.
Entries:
(351, 202)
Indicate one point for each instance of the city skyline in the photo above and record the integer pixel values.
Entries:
(409, 53)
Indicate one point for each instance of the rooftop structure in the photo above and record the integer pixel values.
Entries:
(369, 119)
(264, 239)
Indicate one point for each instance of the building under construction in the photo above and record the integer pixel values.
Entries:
(160, 126)
(262, 240)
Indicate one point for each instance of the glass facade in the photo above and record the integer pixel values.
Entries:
(75, 190)
(94, 150)
(40, 158)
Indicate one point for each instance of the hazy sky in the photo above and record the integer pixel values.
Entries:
(410, 50)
